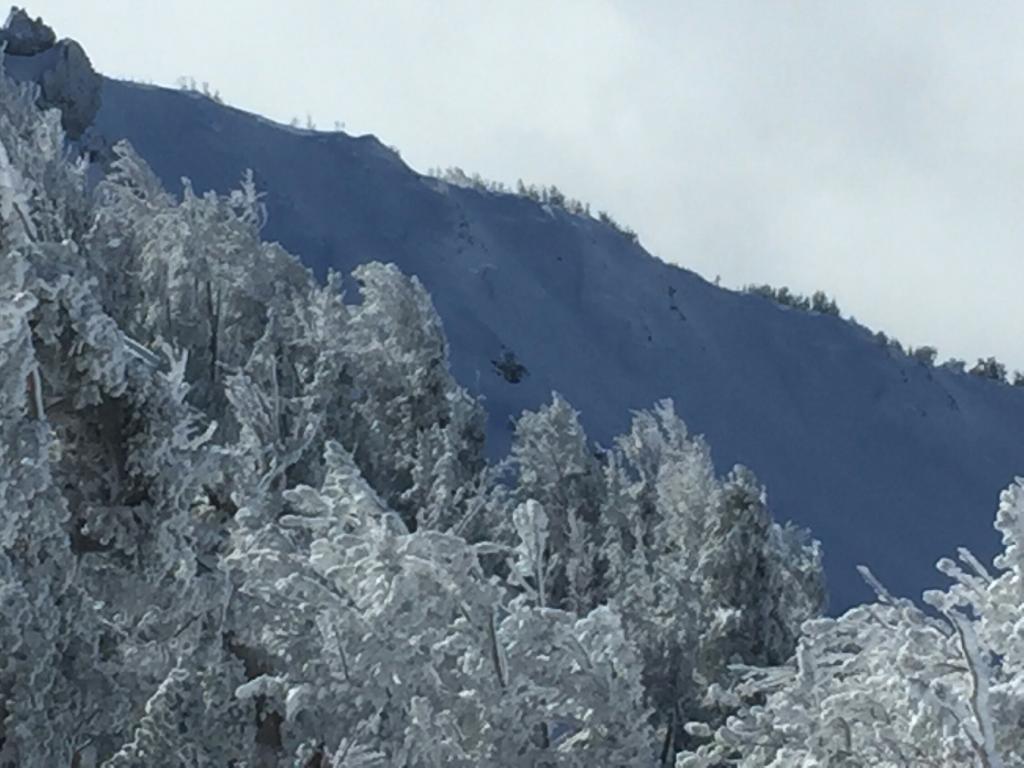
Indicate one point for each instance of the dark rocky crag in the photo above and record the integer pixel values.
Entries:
(61, 69)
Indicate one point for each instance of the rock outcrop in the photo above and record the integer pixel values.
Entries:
(72, 86)
(25, 36)
(61, 69)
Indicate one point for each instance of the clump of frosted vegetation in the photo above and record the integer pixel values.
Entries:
(821, 303)
(550, 196)
(986, 368)
(818, 302)
(246, 522)
(189, 84)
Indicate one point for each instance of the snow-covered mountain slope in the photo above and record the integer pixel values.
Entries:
(889, 462)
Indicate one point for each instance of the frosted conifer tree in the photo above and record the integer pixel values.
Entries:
(889, 684)
(554, 465)
(418, 437)
(192, 273)
(700, 574)
(46, 629)
(117, 459)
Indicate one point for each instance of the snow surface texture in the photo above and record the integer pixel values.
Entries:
(889, 462)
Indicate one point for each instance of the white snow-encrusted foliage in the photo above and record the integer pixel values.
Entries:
(400, 640)
(99, 463)
(890, 684)
(692, 563)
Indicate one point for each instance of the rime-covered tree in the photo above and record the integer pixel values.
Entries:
(693, 563)
(46, 629)
(97, 508)
(418, 436)
(194, 273)
(553, 464)
(191, 272)
(399, 641)
(890, 684)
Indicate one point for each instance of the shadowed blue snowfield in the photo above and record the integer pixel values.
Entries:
(889, 462)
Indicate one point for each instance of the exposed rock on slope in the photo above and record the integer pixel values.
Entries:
(25, 36)
(62, 69)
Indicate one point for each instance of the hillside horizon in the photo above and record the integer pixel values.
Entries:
(886, 459)
(764, 383)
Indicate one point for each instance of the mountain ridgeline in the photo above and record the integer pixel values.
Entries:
(887, 460)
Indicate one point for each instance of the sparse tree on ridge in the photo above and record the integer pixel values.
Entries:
(989, 368)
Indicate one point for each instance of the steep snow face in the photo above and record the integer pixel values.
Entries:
(889, 462)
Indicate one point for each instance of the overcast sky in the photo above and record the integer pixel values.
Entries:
(871, 149)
